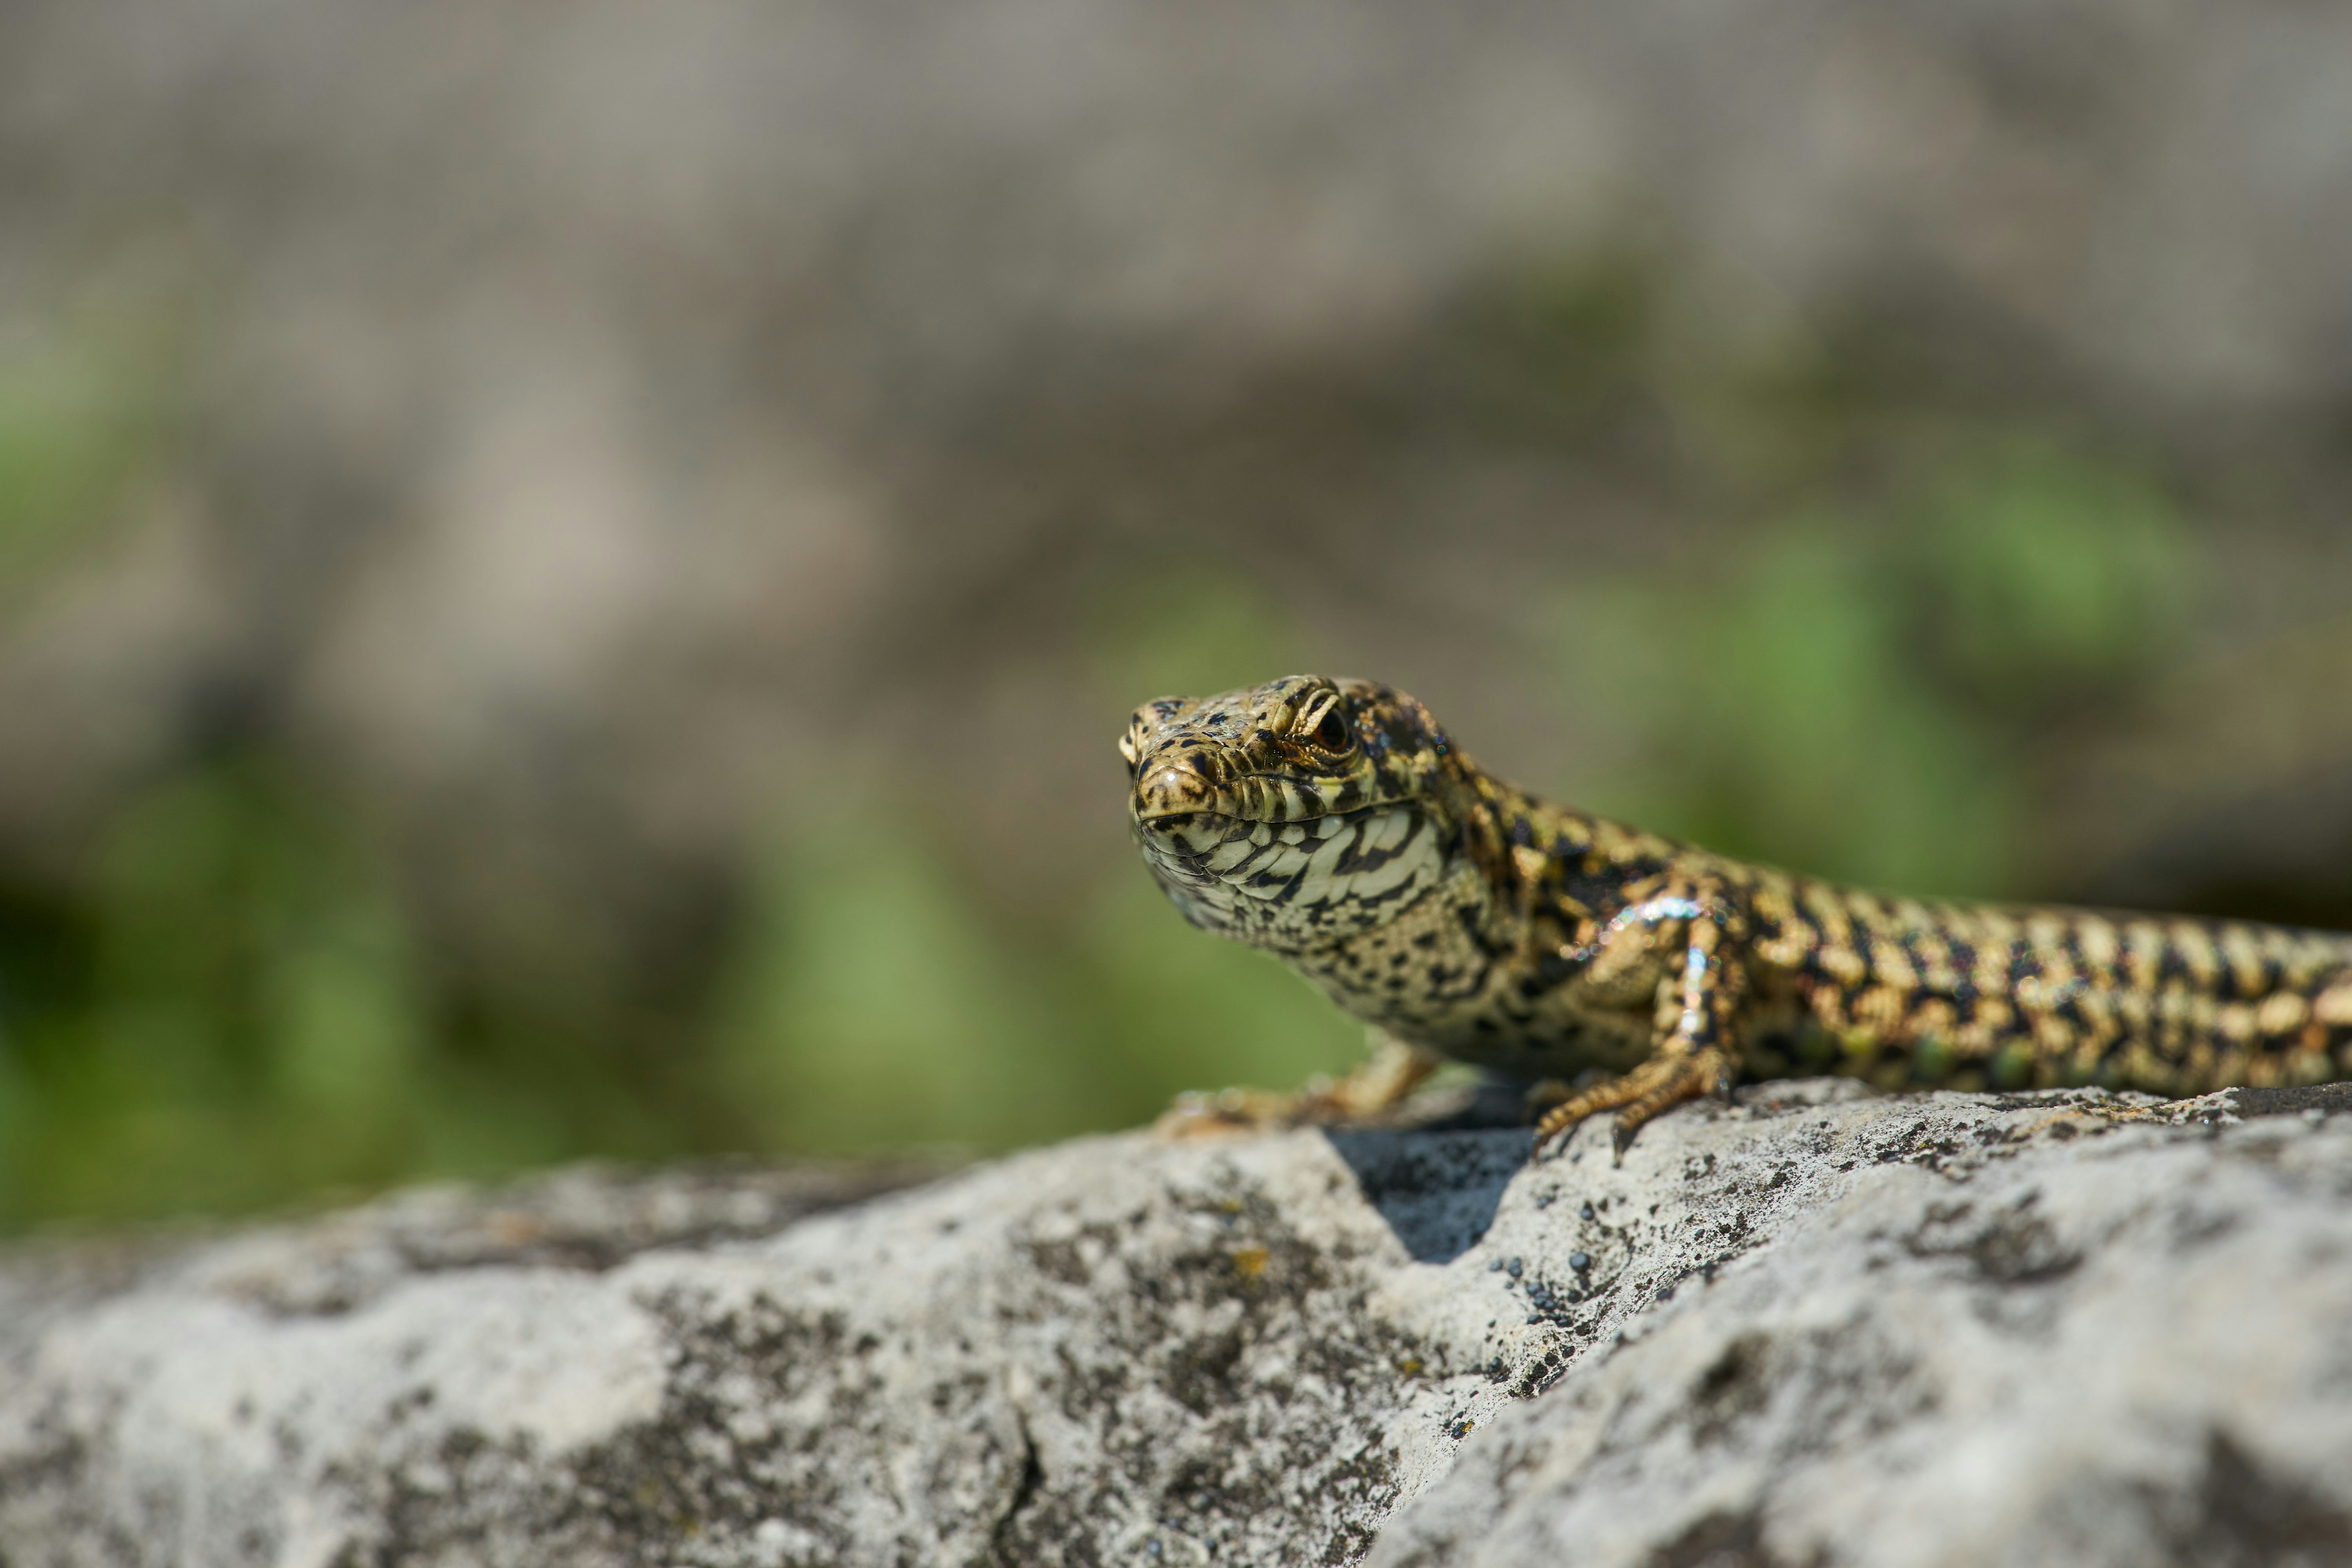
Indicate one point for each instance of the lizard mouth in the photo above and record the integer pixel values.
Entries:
(1188, 788)
(1196, 836)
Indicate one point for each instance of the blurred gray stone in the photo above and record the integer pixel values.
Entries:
(1817, 1327)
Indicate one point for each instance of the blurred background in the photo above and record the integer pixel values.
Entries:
(569, 574)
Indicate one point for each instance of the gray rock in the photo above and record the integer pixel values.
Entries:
(1815, 1327)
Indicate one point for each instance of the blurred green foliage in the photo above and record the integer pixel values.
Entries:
(228, 1015)
(877, 999)
(235, 1013)
(232, 1010)
(83, 410)
(234, 1006)
(1864, 697)
(876, 1004)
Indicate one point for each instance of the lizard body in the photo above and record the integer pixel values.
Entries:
(1333, 825)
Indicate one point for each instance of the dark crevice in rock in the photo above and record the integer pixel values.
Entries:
(1733, 1385)
(2251, 1516)
(1026, 1487)
(1724, 1539)
(2013, 1246)
(2328, 1099)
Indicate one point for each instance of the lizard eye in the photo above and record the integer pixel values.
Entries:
(1332, 733)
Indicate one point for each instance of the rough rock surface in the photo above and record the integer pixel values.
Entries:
(1814, 1328)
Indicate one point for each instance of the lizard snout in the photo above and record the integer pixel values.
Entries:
(1174, 786)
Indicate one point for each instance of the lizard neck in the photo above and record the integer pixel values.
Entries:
(1493, 824)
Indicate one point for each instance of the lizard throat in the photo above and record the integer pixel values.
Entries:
(1294, 885)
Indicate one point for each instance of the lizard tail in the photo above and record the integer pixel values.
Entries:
(2327, 1028)
(2331, 1005)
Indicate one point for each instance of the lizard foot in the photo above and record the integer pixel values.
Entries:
(1657, 1084)
(1380, 1085)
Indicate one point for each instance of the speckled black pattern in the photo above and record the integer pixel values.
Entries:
(1334, 823)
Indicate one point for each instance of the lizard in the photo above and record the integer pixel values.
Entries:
(1333, 825)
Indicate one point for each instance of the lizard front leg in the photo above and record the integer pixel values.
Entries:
(1697, 1018)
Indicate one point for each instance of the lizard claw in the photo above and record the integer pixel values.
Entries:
(1658, 1084)
(1620, 1137)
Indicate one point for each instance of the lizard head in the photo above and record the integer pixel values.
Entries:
(1294, 814)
